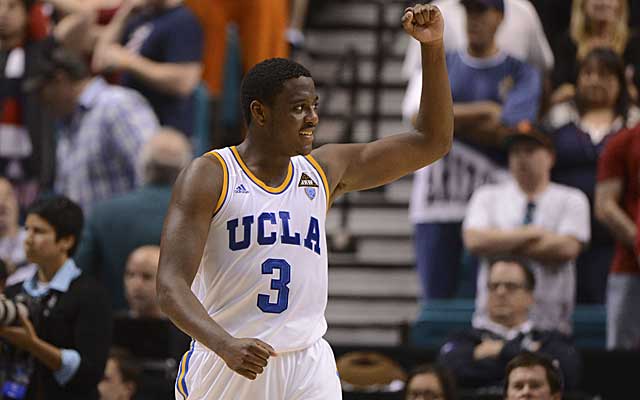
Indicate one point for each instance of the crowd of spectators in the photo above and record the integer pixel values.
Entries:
(539, 193)
(543, 170)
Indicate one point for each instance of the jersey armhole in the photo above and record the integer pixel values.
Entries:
(323, 176)
(225, 182)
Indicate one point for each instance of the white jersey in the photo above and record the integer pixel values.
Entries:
(263, 273)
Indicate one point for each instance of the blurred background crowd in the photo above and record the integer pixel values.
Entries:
(532, 215)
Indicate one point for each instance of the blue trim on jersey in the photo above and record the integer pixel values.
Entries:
(293, 174)
(184, 367)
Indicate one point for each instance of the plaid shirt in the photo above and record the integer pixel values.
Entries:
(98, 145)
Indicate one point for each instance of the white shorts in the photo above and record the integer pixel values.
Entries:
(308, 374)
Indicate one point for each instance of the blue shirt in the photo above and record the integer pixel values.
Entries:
(167, 36)
(99, 145)
(513, 84)
(60, 282)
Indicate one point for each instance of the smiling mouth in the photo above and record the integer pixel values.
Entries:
(306, 133)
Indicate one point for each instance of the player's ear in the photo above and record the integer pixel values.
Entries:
(258, 112)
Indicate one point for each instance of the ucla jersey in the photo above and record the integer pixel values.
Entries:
(263, 273)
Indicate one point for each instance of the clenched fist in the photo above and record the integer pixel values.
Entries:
(247, 357)
(424, 22)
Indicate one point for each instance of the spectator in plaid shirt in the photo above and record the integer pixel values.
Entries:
(101, 132)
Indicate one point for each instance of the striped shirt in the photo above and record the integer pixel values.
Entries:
(99, 143)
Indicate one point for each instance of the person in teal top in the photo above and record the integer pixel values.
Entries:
(118, 226)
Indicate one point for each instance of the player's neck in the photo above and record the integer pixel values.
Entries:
(266, 163)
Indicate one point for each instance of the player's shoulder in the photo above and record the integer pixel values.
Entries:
(204, 174)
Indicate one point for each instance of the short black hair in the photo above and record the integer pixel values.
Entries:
(265, 80)
(64, 215)
(525, 266)
(529, 359)
(444, 376)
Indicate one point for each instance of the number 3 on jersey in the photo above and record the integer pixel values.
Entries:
(279, 284)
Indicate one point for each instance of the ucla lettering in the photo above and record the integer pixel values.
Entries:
(246, 239)
(312, 241)
(286, 238)
(262, 239)
(267, 228)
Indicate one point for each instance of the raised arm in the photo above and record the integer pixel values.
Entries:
(352, 167)
(184, 235)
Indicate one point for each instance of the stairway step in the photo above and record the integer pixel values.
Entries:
(343, 260)
(363, 312)
(361, 221)
(373, 284)
(349, 336)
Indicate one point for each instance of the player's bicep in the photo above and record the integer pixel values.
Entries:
(186, 226)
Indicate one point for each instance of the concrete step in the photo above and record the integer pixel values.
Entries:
(335, 40)
(379, 251)
(358, 312)
(369, 282)
(337, 103)
(371, 221)
(356, 13)
(347, 336)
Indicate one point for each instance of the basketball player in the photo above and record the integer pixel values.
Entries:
(243, 264)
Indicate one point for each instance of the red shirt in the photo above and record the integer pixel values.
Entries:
(621, 159)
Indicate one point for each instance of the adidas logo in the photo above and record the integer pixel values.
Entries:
(241, 189)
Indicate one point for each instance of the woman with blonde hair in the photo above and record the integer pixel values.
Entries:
(594, 24)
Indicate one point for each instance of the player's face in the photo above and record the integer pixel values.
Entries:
(529, 383)
(13, 18)
(295, 115)
(112, 387)
(140, 284)
(424, 387)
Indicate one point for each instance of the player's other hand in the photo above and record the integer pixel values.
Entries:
(247, 357)
(424, 22)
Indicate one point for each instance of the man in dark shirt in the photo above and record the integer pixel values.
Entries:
(157, 44)
(478, 357)
(60, 349)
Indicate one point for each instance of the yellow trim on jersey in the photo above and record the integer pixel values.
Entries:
(182, 372)
(257, 181)
(225, 181)
(325, 182)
